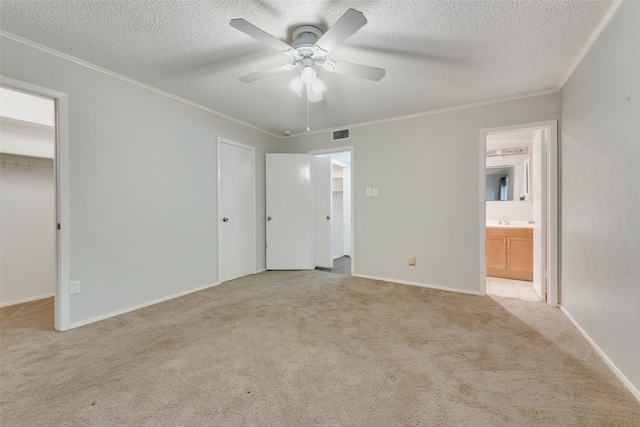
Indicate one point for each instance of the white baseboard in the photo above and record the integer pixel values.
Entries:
(260, 271)
(23, 300)
(422, 285)
(612, 366)
(139, 306)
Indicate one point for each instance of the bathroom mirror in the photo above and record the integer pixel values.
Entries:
(501, 182)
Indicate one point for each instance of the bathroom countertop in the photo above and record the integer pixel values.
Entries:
(512, 224)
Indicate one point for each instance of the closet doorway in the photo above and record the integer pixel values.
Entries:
(27, 197)
(34, 197)
(341, 210)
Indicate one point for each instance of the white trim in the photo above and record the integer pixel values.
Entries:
(610, 364)
(62, 306)
(129, 80)
(30, 299)
(553, 294)
(482, 211)
(550, 194)
(350, 148)
(429, 113)
(253, 197)
(422, 285)
(260, 271)
(139, 306)
(587, 46)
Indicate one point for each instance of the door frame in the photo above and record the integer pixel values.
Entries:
(220, 141)
(62, 301)
(351, 149)
(550, 194)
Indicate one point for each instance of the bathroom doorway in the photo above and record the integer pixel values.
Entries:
(518, 211)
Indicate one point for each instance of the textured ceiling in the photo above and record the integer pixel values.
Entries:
(437, 54)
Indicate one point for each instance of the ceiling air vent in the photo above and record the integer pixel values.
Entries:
(339, 135)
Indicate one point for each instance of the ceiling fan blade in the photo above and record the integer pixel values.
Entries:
(364, 71)
(346, 26)
(262, 74)
(258, 34)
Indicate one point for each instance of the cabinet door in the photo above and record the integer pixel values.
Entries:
(496, 255)
(520, 257)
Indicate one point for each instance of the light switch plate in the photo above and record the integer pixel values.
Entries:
(368, 191)
(374, 192)
(74, 287)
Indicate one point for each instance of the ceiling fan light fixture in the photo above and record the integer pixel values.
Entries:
(312, 95)
(317, 86)
(308, 74)
(297, 85)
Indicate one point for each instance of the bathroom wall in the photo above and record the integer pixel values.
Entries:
(510, 210)
(516, 209)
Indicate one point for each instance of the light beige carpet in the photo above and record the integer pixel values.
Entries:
(309, 348)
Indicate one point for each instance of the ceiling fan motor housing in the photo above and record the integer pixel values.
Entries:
(305, 35)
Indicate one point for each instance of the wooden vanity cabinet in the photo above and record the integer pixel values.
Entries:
(510, 253)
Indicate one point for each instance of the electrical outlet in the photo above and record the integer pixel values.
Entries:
(412, 261)
(74, 287)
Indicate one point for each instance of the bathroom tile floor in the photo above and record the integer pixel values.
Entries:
(511, 289)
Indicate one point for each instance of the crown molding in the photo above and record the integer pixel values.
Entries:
(587, 46)
(429, 113)
(131, 81)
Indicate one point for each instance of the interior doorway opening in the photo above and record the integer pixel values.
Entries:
(60, 208)
(518, 212)
(27, 197)
(341, 230)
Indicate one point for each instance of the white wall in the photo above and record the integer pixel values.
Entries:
(428, 198)
(27, 227)
(600, 193)
(142, 172)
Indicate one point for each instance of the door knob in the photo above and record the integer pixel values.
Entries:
(225, 219)
(268, 218)
(328, 216)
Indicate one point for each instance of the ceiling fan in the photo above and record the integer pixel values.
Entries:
(308, 53)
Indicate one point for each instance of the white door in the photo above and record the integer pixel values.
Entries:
(322, 177)
(289, 202)
(236, 212)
